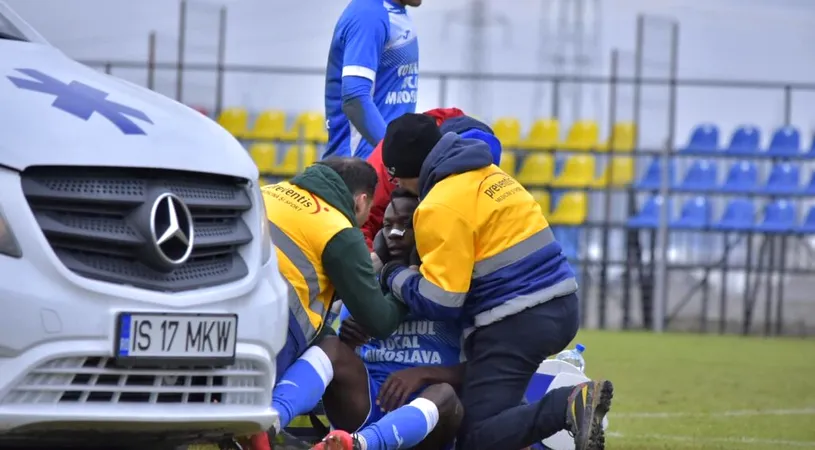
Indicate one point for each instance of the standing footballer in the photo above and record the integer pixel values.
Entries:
(372, 74)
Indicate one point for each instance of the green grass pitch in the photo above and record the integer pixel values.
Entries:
(689, 391)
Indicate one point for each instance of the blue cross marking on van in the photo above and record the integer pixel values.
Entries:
(80, 100)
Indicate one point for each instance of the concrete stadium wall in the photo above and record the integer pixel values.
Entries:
(733, 39)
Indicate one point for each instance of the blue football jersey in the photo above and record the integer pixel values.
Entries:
(373, 39)
(416, 342)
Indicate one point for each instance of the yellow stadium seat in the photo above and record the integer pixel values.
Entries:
(269, 125)
(620, 172)
(264, 155)
(508, 131)
(543, 199)
(235, 121)
(289, 165)
(508, 162)
(537, 168)
(582, 136)
(622, 137)
(578, 171)
(572, 209)
(310, 154)
(314, 128)
(308, 126)
(544, 135)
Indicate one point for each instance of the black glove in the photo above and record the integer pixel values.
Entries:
(381, 248)
(387, 270)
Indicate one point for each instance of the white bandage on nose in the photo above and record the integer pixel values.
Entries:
(397, 232)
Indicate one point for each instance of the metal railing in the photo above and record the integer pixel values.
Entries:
(645, 271)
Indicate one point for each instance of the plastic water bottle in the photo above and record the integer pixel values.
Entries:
(574, 357)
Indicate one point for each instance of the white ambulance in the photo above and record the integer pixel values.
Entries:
(140, 299)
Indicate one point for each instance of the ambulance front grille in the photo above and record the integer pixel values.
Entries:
(94, 220)
(97, 380)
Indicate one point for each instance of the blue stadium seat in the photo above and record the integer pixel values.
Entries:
(811, 152)
(701, 176)
(742, 177)
(810, 189)
(784, 179)
(786, 141)
(745, 141)
(653, 175)
(808, 227)
(703, 139)
(779, 217)
(695, 214)
(739, 215)
(648, 216)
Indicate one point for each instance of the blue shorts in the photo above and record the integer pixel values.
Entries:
(375, 414)
(375, 382)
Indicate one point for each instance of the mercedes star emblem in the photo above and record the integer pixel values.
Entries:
(171, 228)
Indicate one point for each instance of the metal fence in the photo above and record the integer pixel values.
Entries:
(653, 277)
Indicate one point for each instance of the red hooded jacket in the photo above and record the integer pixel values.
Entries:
(382, 195)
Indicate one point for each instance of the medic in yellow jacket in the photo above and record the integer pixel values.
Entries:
(487, 251)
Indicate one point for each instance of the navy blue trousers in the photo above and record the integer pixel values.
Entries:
(501, 359)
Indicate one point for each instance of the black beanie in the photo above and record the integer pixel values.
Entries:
(407, 143)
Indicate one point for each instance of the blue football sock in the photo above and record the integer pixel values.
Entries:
(302, 385)
(404, 427)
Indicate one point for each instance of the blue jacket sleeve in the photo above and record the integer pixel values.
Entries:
(423, 298)
(364, 40)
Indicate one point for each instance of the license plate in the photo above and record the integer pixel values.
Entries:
(176, 339)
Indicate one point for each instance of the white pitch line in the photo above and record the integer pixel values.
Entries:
(743, 440)
(743, 413)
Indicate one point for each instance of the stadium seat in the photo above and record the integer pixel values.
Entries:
(307, 126)
(811, 152)
(269, 126)
(582, 136)
(508, 162)
(786, 141)
(653, 175)
(314, 128)
(290, 164)
(810, 188)
(508, 131)
(703, 139)
(739, 215)
(701, 176)
(648, 215)
(622, 137)
(808, 226)
(310, 154)
(745, 141)
(784, 178)
(543, 199)
(544, 135)
(696, 214)
(619, 170)
(779, 217)
(265, 156)
(572, 209)
(235, 121)
(578, 171)
(537, 169)
(742, 177)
